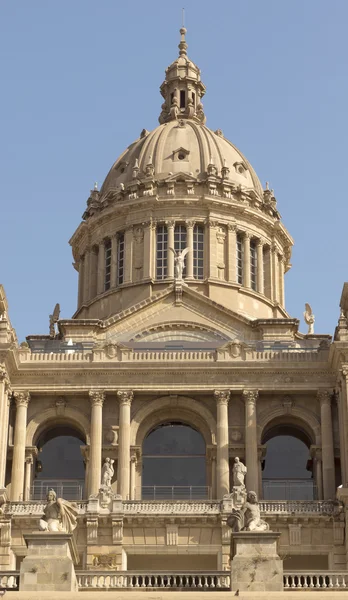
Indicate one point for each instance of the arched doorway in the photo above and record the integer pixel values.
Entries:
(288, 472)
(174, 463)
(59, 463)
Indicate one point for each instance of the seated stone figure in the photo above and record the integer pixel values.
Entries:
(248, 518)
(59, 515)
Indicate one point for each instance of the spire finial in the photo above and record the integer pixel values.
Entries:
(183, 31)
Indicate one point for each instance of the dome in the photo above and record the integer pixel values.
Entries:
(182, 146)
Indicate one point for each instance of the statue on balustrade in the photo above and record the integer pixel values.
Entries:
(247, 518)
(107, 472)
(59, 515)
(238, 472)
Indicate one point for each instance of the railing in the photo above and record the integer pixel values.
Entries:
(9, 580)
(70, 489)
(315, 579)
(169, 508)
(175, 492)
(34, 508)
(159, 579)
(289, 489)
(298, 507)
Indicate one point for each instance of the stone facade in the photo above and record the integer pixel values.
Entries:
(216, 351)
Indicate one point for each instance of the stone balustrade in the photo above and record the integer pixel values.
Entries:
(315, 580)
(153, 580)
(9, 580)
(181, 507)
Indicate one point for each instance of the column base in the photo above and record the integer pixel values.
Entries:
(49, 564)
(256, 565)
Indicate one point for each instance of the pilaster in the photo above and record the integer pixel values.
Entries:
(97, 398)
(18, 467)
(252, 477)
(125, 398)
(222, 459)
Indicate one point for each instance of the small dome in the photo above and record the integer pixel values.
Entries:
(182, 146)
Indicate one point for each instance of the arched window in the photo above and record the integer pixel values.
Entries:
(107, 275)
(287, 473)
(162, 252)
(240, 258)
(253, 265)
(174, 464)
(59, 464)
(120, 257)
(198, 252)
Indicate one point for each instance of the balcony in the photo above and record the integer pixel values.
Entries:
(289, 489)
(69, 489)
(174, 492)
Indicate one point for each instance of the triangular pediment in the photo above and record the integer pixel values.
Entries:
(181, 176)
(164, 318)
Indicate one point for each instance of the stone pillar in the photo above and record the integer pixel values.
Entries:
(222, 460)
(251, 456)
(133, 465)
(246, 260)
(27, 479)
(101, 268)
(97, 398)
(316, 455)
(86, 276)
(329, 487)
(149, 230)
(339, 396)
(232, 252)
(281, 266)
(17, 476)
(170, 244)
(128, 254)
(113, 261)
(260, 276)
(123, 477)
(5, 393)
(93, 272)
(81, 284)
(275, 281)
(212, 256)
(189, 257)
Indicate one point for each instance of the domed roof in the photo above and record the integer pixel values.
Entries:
(182, 146)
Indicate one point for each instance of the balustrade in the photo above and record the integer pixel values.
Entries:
(161, 579)
(315, 579)
(9, 580)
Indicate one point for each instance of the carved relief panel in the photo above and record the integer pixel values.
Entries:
(221, 241)
(138, 254)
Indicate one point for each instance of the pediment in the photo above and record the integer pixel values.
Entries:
(162, 319)
(181, 176)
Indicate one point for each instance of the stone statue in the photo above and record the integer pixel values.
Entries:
(174, 109)
(309, 318)
(54, 318)
(238, 472)
(179, 262)
(107, 472)
(247, 518)
(59, 515)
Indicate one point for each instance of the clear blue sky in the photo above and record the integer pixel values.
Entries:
(80, 80)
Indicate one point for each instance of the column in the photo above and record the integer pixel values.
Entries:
(232, 252)
(281, 267)
(275, 280)
(86, 276)
(189, 257)
(81, 285)
(260, 276)
(113, 274)
(251, 457)
(27, 479)
(95, 454)
(93, 272)
(212, 254)
(246, 260)
(339, 396)
(329, 487)
(125, 398)
(149, 229)
(222, 461)
(101, 268)
(316, 455)
(5, 395)
(128, 254)
(17, 476)
(133, 465)
(170, 244)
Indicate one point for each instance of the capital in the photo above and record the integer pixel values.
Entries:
(344, 371)
(222, 396)
(22, 398)
(170, 223)
(125, 396)
(190, 224)
(3, 372)
(97, 397)
(232, 227)
(250, 396)
(324, 397)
